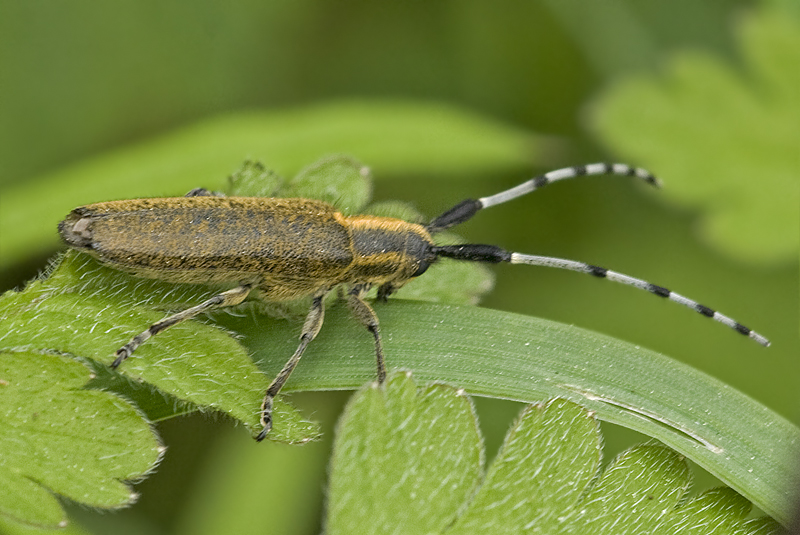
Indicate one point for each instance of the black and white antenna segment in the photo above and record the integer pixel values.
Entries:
(491, 253)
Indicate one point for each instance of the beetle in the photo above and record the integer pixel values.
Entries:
(294, 248)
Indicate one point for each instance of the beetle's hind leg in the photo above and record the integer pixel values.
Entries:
(225, 299)
(364, 313)
(311, 327)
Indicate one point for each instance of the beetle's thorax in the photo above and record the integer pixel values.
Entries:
(387, 249)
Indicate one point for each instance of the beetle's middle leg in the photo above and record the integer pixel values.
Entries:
(311, 327)
(364, 313)
(225, 299)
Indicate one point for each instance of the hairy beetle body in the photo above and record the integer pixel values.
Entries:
(288, 248)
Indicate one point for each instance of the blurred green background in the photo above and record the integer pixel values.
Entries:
(83, 78)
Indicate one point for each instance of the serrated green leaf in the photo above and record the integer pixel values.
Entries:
(642, 492)
(58, 439)
(510, 356)
(393, 464)
(338, 180)
(404, 461)
(395, 137)
(193, 362)
(155, 404)
(636, 492)
(549, 458)
(254, 179)
(718, 511)
(723, 141)
(760, 526)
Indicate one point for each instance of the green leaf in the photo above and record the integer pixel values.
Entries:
(758, 526)
(11, 527)
(395, 466)
(403, 460)
(395, 137)
(636, 492)
(87, 310)
(253, 179)
(716, 511)
(723, 141)
(337, 180)
(548, 460)
(57, 438)
(510, 356)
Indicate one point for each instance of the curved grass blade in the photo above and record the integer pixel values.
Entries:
(510, 356)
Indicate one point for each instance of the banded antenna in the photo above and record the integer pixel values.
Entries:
(493, 254)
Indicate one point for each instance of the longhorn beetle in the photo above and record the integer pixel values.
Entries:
(293, 248)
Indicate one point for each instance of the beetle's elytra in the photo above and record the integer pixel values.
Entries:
(292, 248)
